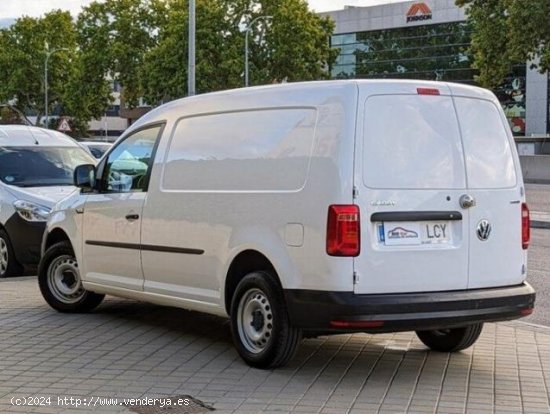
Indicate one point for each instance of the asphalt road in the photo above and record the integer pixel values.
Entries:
(539, 275)
(538, 199)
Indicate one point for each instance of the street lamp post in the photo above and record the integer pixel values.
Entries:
(48, 54)
(247, 31)
(191, 58)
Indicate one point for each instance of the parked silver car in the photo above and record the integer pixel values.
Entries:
(36, 171)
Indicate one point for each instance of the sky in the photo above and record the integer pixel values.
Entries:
(11, 9)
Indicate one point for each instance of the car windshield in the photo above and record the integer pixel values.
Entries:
(98, 150)
(40, 166)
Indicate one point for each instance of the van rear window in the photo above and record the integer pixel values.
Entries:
(489, 159)
(259, 150)
(412, 142)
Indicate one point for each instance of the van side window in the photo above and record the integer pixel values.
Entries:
(128, 165)
(257, 150)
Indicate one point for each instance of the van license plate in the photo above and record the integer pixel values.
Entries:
(409, 233)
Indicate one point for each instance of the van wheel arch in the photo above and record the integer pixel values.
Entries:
(12, 266)
(246, 262)
(56, 236)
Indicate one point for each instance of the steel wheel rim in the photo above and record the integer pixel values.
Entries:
(64, 279)
(3, 256)
(255, 321)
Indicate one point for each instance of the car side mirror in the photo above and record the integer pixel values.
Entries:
(85, 177)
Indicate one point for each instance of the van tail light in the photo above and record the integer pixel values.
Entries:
(526, 311)
(343, 230)
(525, 226)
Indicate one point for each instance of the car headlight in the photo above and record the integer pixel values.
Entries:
(31, 212)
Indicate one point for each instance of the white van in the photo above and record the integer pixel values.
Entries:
(36, 171)
(306, 209)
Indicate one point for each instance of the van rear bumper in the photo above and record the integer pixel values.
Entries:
(332, 312)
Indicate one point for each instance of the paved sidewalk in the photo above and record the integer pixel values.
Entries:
(130, 349)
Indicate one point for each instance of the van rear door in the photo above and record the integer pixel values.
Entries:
(409, 176)
(496, 254)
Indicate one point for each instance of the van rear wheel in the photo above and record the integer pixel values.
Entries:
(261, 329)
(451, 340)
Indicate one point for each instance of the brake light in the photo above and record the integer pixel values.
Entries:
(343, 230)
(526, 312)
(525, 226)
(427, 91)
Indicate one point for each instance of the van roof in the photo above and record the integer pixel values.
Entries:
(31, 136)
(301, 93)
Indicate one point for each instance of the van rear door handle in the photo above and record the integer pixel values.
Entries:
(132, 217)
(467, 201)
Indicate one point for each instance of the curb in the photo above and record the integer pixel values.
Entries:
(16, 279)
(537, 224)
(530, 325)
(534, 325)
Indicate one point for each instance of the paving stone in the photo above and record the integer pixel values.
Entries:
(128, 349)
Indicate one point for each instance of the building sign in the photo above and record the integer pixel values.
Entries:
(419, 12)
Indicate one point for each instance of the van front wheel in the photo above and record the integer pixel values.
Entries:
(60, 283)
(451, 340)
(261, 329)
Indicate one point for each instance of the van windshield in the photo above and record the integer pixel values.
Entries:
(40, 166)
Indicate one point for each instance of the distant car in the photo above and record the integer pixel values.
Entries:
(36, 171)
(97, 149)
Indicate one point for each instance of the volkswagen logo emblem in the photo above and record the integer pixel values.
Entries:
(483, 230)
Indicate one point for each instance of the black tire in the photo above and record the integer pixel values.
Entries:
(7, 254)
(451, 340)
(281, 338)
(59, 262)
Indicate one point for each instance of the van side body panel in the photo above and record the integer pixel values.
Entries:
(286, 224)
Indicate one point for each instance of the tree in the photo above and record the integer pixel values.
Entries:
(294, 45)
(117, 34)
(507, 32)
(89, 92)
(76, 83)
(164, 72)
(142, 45)
(10, 115)
(22, 58)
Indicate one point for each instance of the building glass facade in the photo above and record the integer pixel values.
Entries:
(428, 52)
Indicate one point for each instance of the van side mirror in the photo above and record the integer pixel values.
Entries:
(85, 177)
